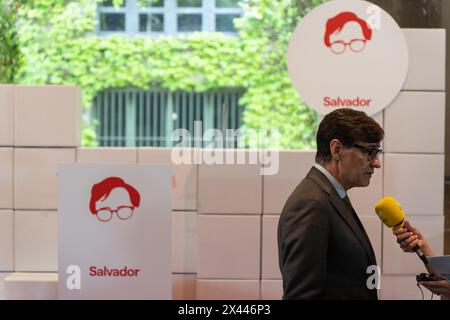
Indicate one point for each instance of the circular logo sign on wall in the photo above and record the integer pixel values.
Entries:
(348, 53)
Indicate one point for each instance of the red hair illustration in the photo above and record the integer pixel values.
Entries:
(337, 23)
(102, 190)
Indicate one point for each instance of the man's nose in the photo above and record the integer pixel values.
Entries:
(376, 163)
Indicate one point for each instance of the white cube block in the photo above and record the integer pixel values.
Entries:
(184, 286)
(270, 268)
(415, 123)
(271, 289)
(293, 167)
(3, 275)
(156, 155)
(35, 241)
(6, 115)
(403, 288)
(184, 176)
(47, 115)
(107, 155)
(227, 289)
(365, 199)
(229, 247)
(373, 227)
(6, 240)
(184, 242)
(6, 178)
(426, 70)
(397, 262)
(416, 181)
(31, 286)
(35, 178)
(231, 188)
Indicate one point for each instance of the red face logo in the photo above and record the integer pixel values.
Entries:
(113, 196)
(346, 30)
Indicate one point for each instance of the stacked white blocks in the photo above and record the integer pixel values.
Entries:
(6, 183)
(224, 237)
(40, 131)
(414, 159)
(229, 229)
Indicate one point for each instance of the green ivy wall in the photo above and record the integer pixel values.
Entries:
(59, 46)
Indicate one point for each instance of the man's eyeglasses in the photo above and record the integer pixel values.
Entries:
(371, 153)
(123, 213)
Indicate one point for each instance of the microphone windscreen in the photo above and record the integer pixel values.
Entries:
(390, 212)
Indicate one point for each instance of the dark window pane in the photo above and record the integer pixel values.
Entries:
(112, 22)
(189, 22)
(224, 22)
(157, 21)
(227, 3)
(109, 3)
(154, 3)
(143, 22)
(189, 3)
(151, 22)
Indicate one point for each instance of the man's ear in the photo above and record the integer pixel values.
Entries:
(335, 149)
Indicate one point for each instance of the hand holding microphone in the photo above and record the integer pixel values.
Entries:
(409, 238)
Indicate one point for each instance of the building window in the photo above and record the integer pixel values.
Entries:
(189, 3)
(133, 117)
(153, 22)
(189, 22)
(168, 17)
(112, 19)
(112, 22)
(224, 22)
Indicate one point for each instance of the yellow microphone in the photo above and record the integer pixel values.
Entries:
(392, 215)
(390, 212)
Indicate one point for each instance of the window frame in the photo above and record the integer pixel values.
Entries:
(170, 12)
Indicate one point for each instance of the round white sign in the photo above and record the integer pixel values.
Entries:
(348, 54)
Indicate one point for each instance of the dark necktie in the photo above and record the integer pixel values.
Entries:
(350, 207)
(355, 215)
(348, 203)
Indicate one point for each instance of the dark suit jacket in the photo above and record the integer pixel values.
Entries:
(323, 249)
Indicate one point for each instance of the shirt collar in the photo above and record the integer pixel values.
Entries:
(339, 188)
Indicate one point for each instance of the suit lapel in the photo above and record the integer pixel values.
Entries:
(342, 210)
(349, 219)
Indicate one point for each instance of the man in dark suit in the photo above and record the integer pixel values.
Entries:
(324, 251)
